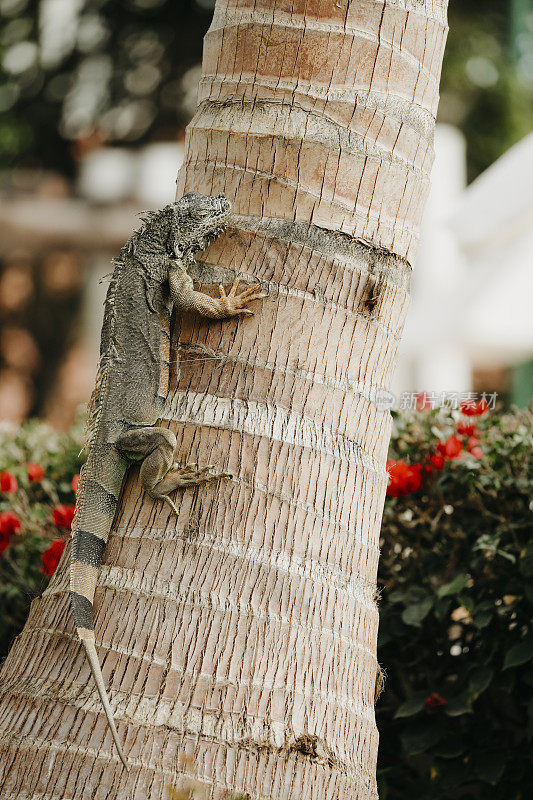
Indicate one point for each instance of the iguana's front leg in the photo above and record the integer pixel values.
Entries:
(185, 298)
(159, 473)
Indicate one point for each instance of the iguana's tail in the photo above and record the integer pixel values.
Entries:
(95, 512)
(92, 657)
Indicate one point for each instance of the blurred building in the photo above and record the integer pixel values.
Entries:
(493, 226)
(470, 324)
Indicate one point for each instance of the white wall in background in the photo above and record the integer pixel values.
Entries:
(493, 225)
(157, 167)
(107, 175)
(432, 353)
(147, 175)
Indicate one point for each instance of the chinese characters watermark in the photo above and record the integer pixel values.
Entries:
(385, 400)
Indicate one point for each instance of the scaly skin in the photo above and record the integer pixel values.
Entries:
(150, 277)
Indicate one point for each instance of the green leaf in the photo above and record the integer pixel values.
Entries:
(526, 561)
(395, 597)
(442, 608)
(480, 679)
(482, 619)
(467, 602)
(454, 587)
(452, 774)
(519, 654)
(450, 749)
(412, 705)
(413, 615)
(415, 594)
(457, 706)
(419, 737)
(489, 765)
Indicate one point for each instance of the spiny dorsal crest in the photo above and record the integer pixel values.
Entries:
(108, 348)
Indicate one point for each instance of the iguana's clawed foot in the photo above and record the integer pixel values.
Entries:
(183, 477)
(233, 304)
(190, 475)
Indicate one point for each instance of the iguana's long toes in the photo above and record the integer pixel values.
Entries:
(251, 291)
(234, 286)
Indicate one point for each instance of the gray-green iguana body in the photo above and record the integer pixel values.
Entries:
(150, 277)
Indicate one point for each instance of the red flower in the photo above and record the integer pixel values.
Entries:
(473, 447)
(35, 472)
(434, 703)
(437, 460)
(465, 428)
(9, 524)
(470, 409)
(451, 448)
(63, 516)
(51, 556)
(8, 482)
(403, 478)
(75, 483)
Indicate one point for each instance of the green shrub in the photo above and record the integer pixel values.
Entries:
(456, 579)
(37, 466)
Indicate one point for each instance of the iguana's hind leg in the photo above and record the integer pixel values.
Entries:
(159, 473)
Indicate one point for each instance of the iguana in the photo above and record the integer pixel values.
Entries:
(149, 279)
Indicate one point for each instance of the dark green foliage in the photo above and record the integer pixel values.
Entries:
(456, 579)
(21, 578)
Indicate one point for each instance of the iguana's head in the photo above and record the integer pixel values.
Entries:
(197, 218)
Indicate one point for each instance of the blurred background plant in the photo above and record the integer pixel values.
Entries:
(38, 475)
(456, 578)
(127, 72)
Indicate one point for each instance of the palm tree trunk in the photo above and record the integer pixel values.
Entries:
(238, 642)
